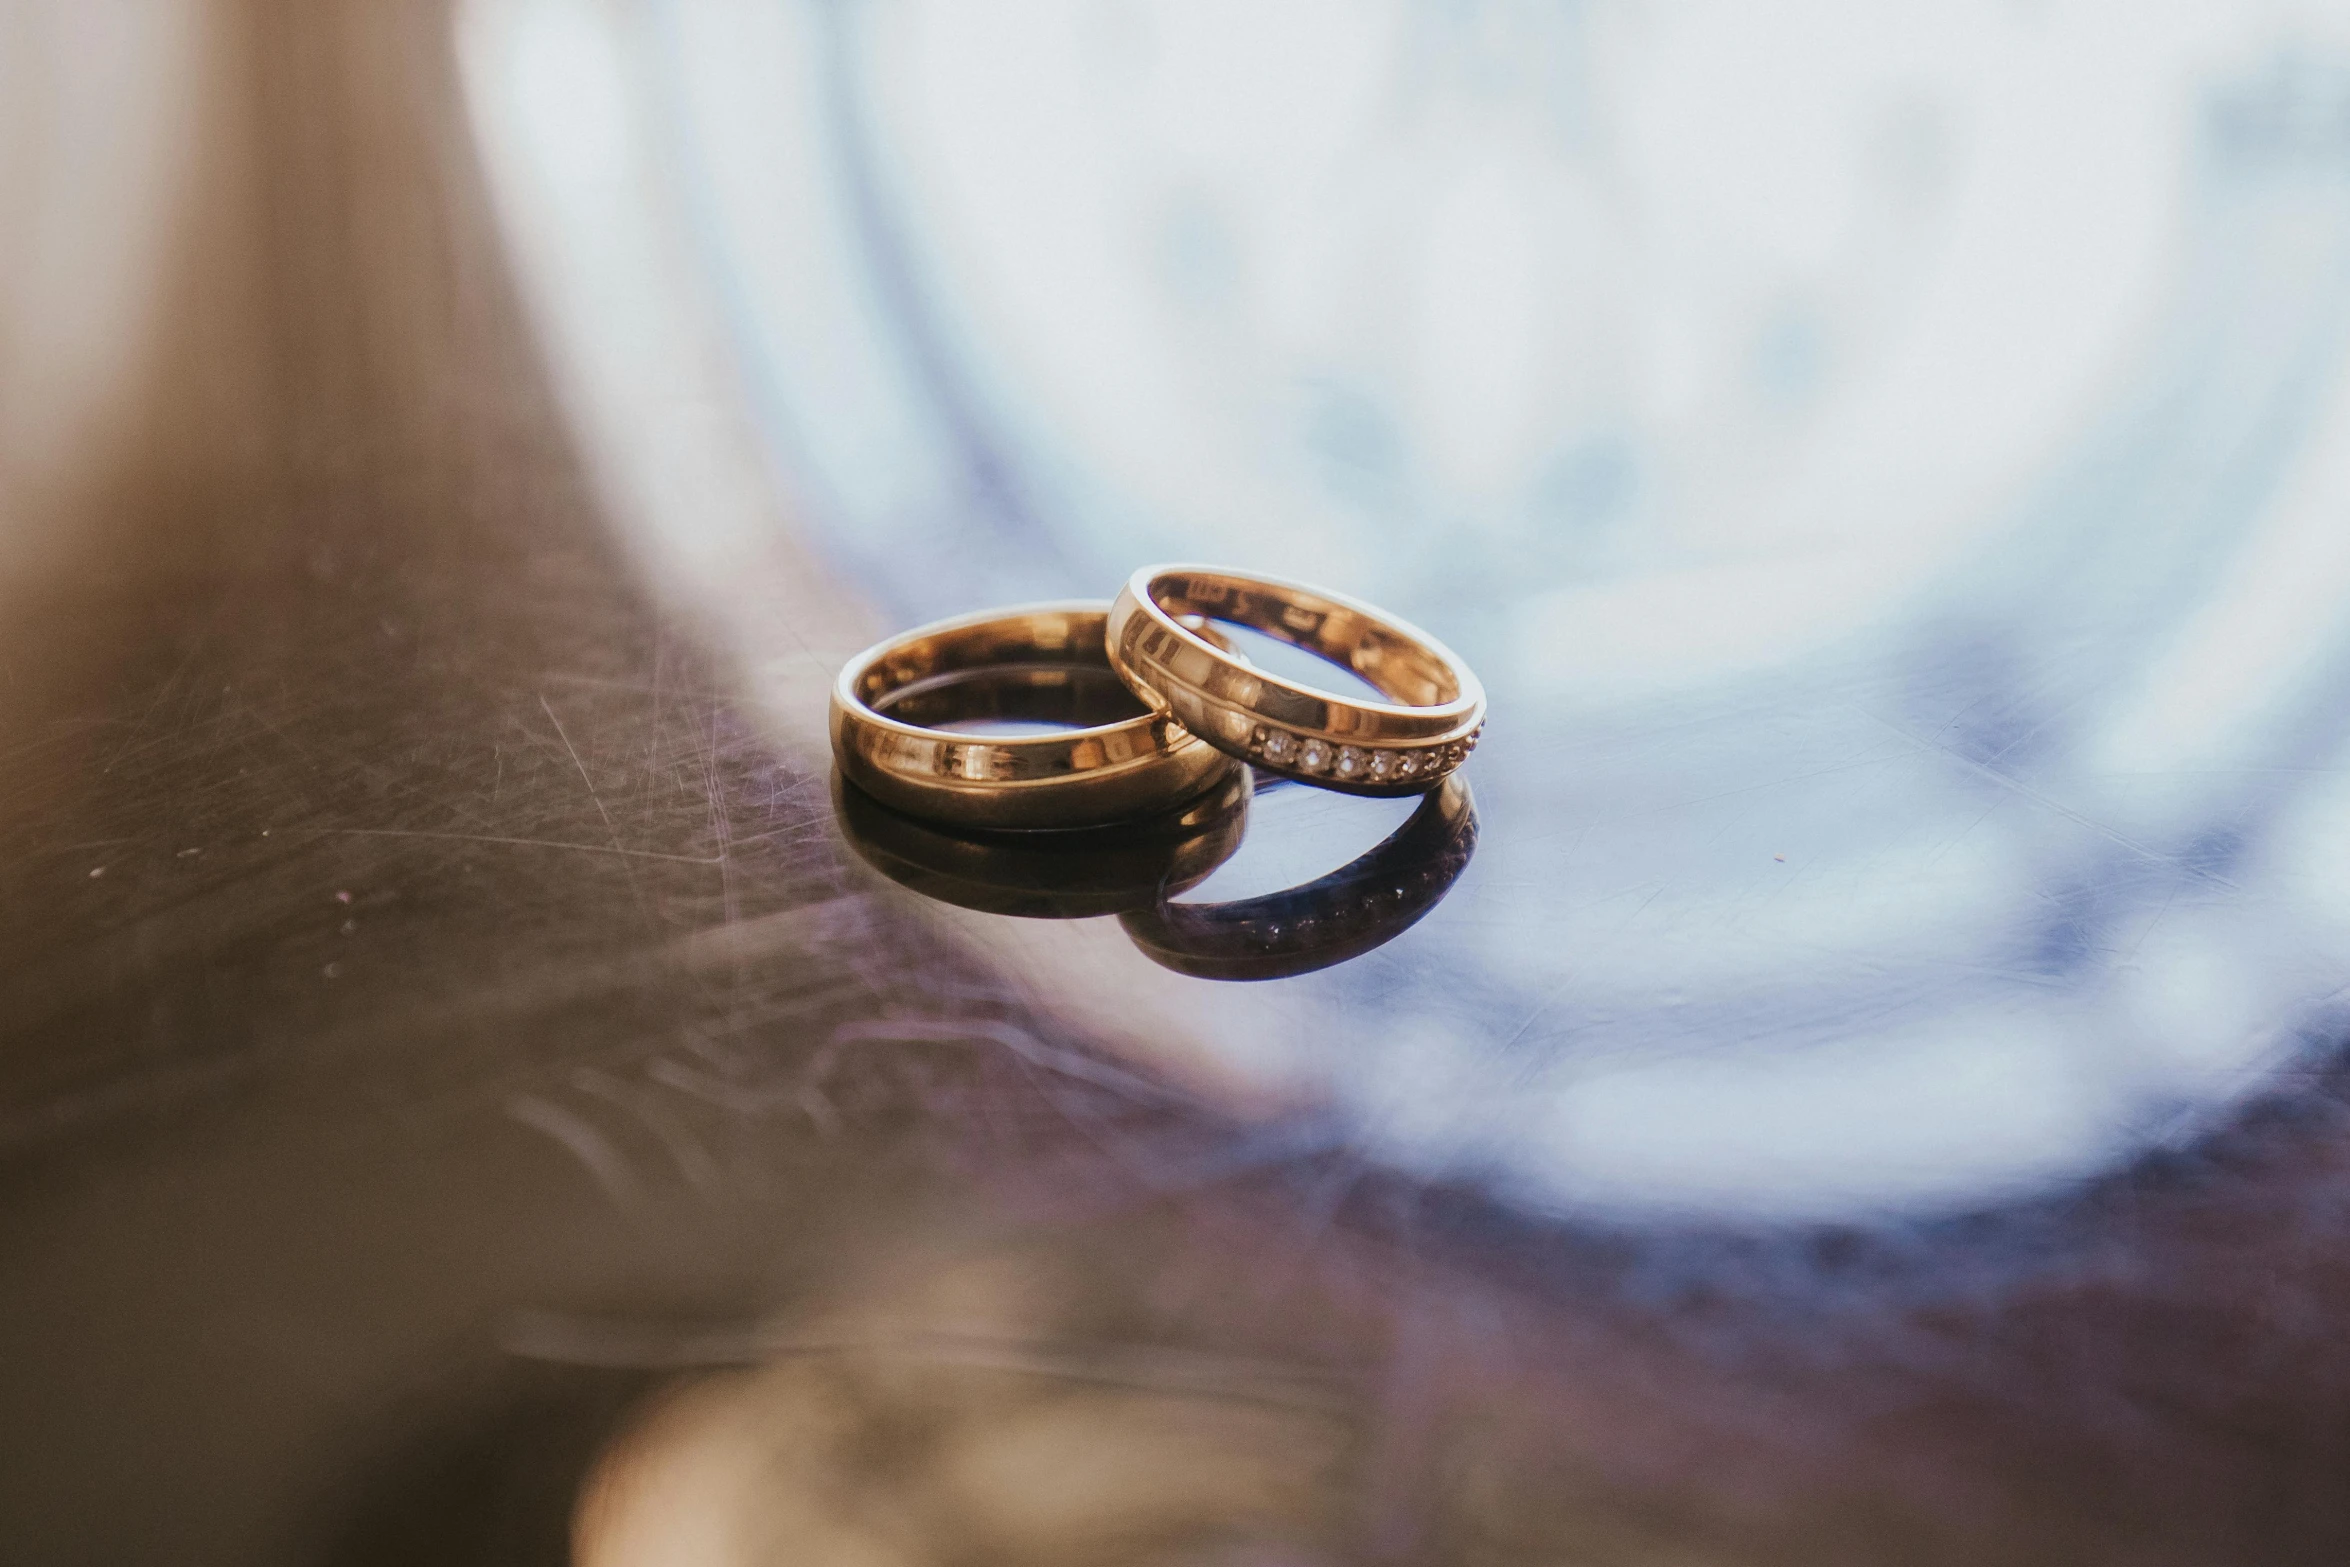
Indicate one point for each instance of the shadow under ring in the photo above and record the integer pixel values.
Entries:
(1364, 904)
(1049, 873)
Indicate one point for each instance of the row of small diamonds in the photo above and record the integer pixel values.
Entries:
(1362, 764)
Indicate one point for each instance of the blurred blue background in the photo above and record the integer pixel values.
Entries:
(1889, 463)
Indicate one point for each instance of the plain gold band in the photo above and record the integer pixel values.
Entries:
(1404, 746)
(1071, 778)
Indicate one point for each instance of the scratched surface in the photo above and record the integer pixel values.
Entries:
(1897, 531)
(454, 1082)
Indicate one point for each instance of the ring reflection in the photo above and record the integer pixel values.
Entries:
(1364, 904)
(1072, 873)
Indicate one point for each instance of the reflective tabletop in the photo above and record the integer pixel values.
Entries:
(1849, 1072)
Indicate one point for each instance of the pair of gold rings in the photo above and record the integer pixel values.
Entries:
(1205, 707)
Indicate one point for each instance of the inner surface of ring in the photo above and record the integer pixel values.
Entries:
(1061, 695)
(1398, 666)
(1046, 667)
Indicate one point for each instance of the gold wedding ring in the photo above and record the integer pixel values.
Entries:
(1038, 661)
(1406, 745)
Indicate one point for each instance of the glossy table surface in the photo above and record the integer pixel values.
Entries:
(462, 1099)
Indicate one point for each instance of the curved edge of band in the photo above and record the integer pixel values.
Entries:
(1445, 734)
(1101, 774)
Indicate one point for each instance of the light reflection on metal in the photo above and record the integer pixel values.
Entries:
(1428, 719)
(1114, 766)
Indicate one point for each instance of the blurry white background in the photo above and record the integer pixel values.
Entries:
(1890, 464)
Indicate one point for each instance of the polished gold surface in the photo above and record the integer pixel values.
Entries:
(1078, 873)
(1046, 661)
(1403, 746)
(1365, 903)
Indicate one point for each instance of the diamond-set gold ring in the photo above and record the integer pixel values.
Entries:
(1406, 745)
(1162, 701)
(1073, 760)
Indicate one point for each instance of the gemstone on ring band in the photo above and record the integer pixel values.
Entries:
(1430, 708)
